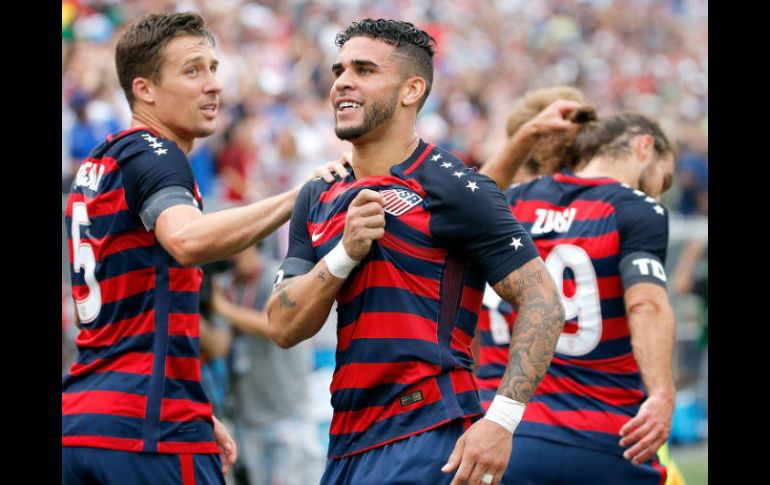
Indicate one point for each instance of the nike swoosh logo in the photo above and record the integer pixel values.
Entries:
(315, 237)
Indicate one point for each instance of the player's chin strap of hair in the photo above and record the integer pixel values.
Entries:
(506, 412)
(338, 261)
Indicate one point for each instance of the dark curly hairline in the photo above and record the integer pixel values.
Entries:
(396, 32)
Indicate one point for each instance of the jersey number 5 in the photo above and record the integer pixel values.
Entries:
(83, 257)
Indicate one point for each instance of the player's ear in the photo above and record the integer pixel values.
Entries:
(644, 148)
(142, 89)
(412, 90)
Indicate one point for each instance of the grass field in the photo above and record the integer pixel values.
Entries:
(693, 462)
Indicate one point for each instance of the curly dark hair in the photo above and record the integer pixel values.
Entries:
(139, 52)
(415, 46)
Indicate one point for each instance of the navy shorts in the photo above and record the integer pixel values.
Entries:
(540, 462)
(417, 459)
(87, 466)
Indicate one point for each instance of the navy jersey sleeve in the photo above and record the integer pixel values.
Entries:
(147, 170)
(470, 216)
(643, 233)
(300, 257)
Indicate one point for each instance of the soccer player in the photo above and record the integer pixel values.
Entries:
(405, 244)
(133, 409)
(603, 235)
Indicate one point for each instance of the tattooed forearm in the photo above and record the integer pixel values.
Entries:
(535, 333)
(322, 276)
(286, 302)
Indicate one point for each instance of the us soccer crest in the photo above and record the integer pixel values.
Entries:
(399, 201)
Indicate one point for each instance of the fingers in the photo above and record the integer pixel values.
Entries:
(646, 442)
(365, 196)
(454, 458)
(464, 472)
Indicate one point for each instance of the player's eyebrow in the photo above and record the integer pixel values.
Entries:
(337, 66)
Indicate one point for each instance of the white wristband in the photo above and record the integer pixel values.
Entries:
(338, 261)
(506, 412)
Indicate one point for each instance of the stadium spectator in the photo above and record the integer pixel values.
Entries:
(405, 245)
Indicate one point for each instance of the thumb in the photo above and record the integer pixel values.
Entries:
(454, 458)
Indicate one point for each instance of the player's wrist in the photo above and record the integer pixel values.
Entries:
(506, 412)
(339, 262)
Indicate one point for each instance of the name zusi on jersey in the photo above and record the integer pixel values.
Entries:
(551, 220)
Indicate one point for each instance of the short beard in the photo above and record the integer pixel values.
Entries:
(380, 112)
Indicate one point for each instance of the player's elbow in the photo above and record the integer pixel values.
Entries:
(185, 250)
(276, 328)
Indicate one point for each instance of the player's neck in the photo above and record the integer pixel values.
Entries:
(374, 156)
(148, 120)
(621, 170)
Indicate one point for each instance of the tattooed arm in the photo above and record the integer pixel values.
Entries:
(533, 293)
(298, 307)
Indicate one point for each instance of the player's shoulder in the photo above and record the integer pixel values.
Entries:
(635, 203)
(141, 143)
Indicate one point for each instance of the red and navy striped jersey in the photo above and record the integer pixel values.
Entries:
(586, 230)
(135, 385)
(407, 313)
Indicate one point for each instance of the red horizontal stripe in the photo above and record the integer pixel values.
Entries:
(434, 255)
(613, 328)
(419, 160)
(107, 203)
(125, 444)
(363, 376)
(183, 368)
(332, 192)
(418, 220)
(387, 325)
(597, 247)
(130, 362)
(596, 421)
(382, 274)
(109, 334)
(122, 242)
(461, 341)
(184, 324)
(493, 355)
(614, 396)
(326, 230)
(344, 422)
(585, 210)
(187, 447)
(104, 402)
(471, 299)
(119, 287)
(185, 279)
(184, 410)
(462, 380)
(624, 364)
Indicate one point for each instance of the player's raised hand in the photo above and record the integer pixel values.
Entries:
(482, 453)
(338, 167)
(557, 116)
(364, 223)
(648, 430)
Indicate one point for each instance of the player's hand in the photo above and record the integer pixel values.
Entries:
(364, 223)
(328, 170)
(484, 449)
(554, 118)
(228, 450)
(648, 430)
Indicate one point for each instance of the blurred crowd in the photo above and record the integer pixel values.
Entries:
(275, 121)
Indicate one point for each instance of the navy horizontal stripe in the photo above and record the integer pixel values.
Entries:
(613, 307)
(462, 360)
(608, 349)
(579, 228)
(387, 300)
(594, 440)
(388, 350)
(137, 343)
(107, 381)
(592, 377)
(466, 321)
(183, 346)
(488, 371)
(111, 224)
(474, 278)
(185, 302)
(487, 394)
(358, 398)
(91, 424)
(575, 402)
(184, 389)
(122, 309)
(406, 262)
(470, 402)
(606, 267)
(408, 233)
(117, 264)
(186, 431)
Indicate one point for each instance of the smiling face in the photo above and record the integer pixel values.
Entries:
(365, 94)
(185, 98)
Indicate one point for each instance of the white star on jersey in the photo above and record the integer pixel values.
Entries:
(156, 144)
(446, 164)
(458, 174)
(516, 243)
(659, 209)
(472, 186)
(435, 157)
(650, 200)
(161, 151)
(149, 138)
